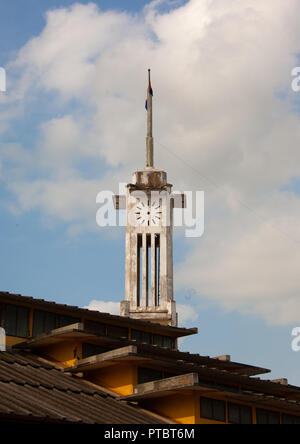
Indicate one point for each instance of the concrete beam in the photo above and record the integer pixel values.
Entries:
(169, 386)
(176, 382)
(67, 329)
(103, 359)
(282, 381)
(72, 331)
(225, 358)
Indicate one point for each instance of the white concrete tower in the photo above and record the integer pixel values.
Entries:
(149, 239)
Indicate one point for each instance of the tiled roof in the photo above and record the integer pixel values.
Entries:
(31, 389)
(231, 380)
(80, 331)
(172, 331)
(200, 360)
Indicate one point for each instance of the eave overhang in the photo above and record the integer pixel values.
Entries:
(122, 321)
(185, 384)
(180, 361)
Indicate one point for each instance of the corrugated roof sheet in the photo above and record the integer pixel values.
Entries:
(33, 389)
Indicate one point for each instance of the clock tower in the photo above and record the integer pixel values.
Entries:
(149, 239)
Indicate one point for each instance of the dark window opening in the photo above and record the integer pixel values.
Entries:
(289, 419)
(114, 331)
(157, 270)
(267, 417)
(16, 322)
(43, 322)
(139, 270)
(158, 340)
(148, 375)
(95, 327)
(212, 409)
(92, 350)
(239, 414)
(148, 268)
(63, 321)
(141, 336)
(164, 341)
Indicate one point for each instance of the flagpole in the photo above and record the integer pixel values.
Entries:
(149, 143)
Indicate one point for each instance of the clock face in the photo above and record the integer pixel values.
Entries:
(148, 213)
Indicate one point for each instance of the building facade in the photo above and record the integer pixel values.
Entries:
(67, 364)
(130, 361)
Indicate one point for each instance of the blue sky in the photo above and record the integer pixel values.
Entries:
(26, 18)
(243, 272)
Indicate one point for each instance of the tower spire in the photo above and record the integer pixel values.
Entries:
(149, 141)
(149, 294)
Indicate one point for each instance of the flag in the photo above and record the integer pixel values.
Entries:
(150, 89)
(151, 93)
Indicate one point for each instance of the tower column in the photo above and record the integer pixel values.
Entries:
(153, 265)
(144, 272)
(149, 262)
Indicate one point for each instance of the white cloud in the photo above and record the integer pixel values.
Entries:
(186, 314)
(218, 71)
(104, 307)
(61, 144)
(250, 262)
(63, 56)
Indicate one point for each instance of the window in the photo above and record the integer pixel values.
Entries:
(114, 331)
(239, 414)
(289, 419)
(148, 375)
(16, 322)
(92, 350)
(158, 340)
(141, 336)
(267, 417)
(212, 409)
(43, 322)
(169, 342)
(63, 321)
(164, 341)
(95, 327)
